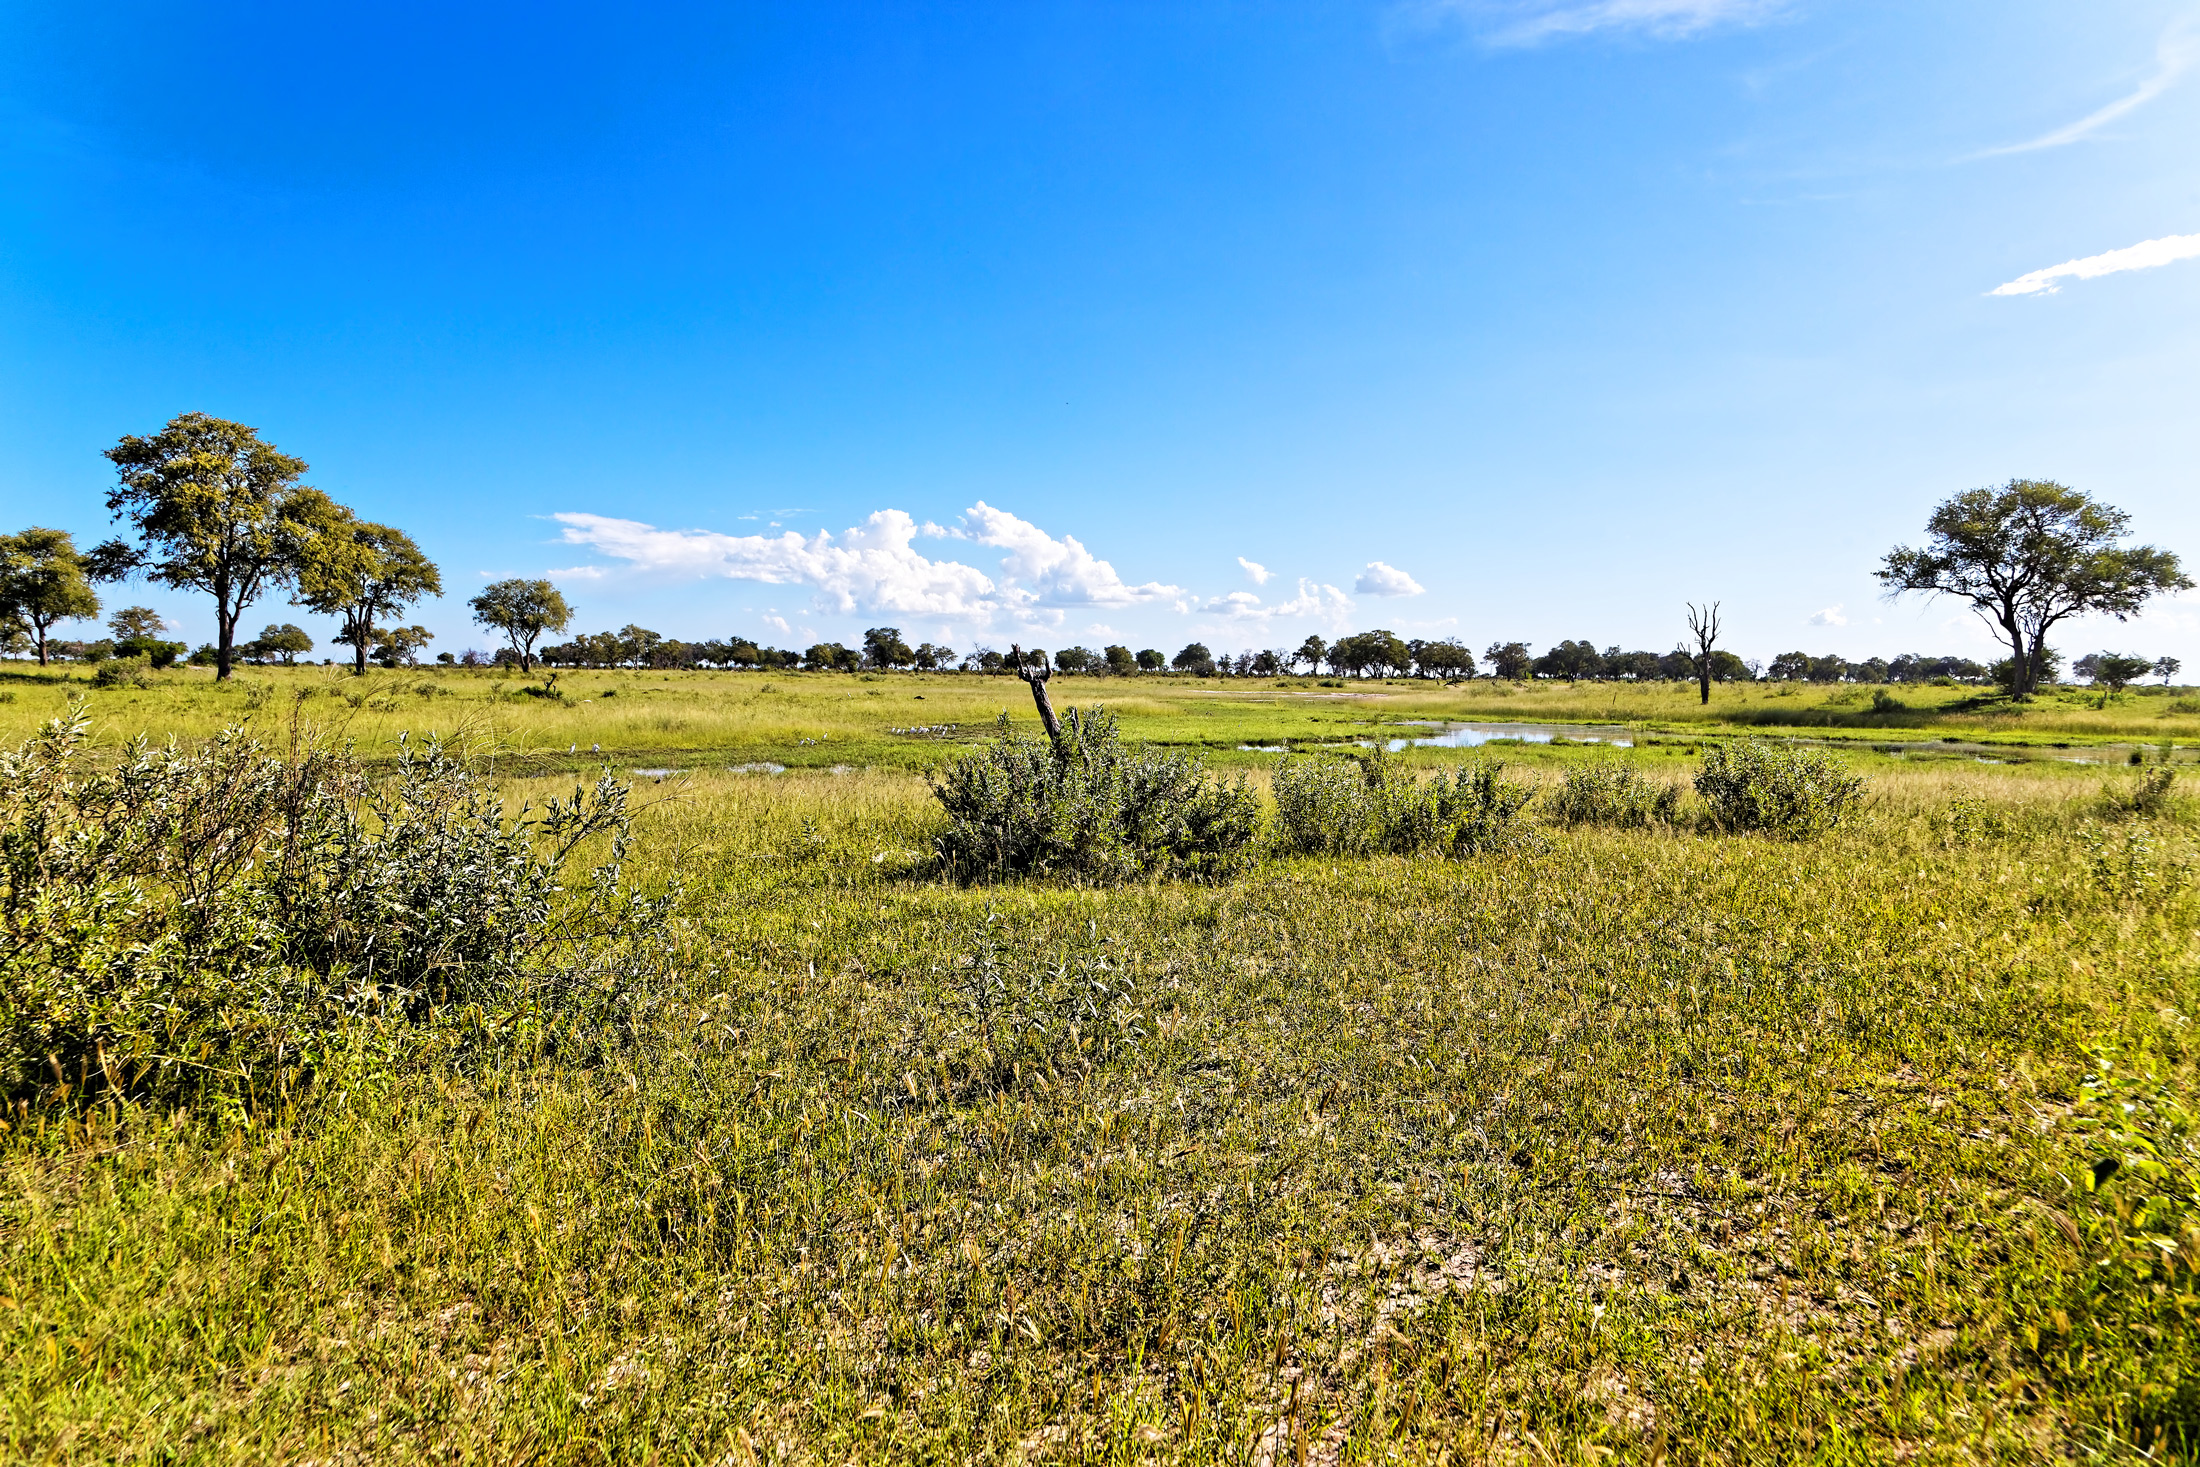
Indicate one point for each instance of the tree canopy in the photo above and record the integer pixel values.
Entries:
(2026, 556)
(522, 610)
(357, 571)
(212, 506)
(43, 580)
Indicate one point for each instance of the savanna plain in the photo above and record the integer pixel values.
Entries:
(1640, 1142)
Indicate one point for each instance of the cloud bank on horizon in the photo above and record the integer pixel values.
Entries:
(2144, 255)
(876, 567)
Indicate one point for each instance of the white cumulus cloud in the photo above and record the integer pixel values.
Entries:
(1314, 601)
(1039, 568)
(2144, 255)
(1832, 616)
(1385, 580)
(875, 567)
(1256, 571)
(870, 567)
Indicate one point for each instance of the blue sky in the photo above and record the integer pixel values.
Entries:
(1143, 322)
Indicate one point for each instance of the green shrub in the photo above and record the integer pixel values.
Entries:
(1610, 792)
(1358, 806)
(1090, 807)
(186, 921)
(124, 672)
(1784, 791)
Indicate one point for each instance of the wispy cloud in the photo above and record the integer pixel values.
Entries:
(1529, 22)
(2174, 55)
(1258, 573)
(875, 566)
(2142, 256)
(1385, 580)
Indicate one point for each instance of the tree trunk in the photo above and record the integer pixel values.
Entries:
(225, 644)
(2020, 665)
(1038, 681)
(41, 642)
(1703, 674)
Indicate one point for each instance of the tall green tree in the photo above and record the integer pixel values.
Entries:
(1509, 660)
(883, 647)
(2027, 556)
(1195, 659)
(522, 610)
(357, 571)
(43, 581)
(212, 508)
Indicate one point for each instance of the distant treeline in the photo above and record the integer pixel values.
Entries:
(1378, 653)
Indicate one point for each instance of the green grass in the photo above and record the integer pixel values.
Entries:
(910, 721)
(1653, 1146)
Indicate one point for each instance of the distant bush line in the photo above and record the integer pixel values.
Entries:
(1373, 654)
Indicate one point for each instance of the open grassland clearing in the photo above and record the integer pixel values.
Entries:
(913, 721)
(1648, 1142)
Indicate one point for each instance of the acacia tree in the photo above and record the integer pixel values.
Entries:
(286, 642)
(212, 507)
(2029, 555)
(2112, 671)
(523, 610)
(43, 581)
(357, 571)
(136, 624)
(2166, 668)
(1704, 627)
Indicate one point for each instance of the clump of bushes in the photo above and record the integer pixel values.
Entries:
(1609, 792)
(1090, 807)
(1783, 791)
(181, 922)
(1358, 806)
(124, 672)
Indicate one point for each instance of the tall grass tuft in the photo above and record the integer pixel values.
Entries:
(1341, 807)
(1092, 808)
(1782, 791)
(2147, 798)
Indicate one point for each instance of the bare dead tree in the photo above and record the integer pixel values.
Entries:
(1037, 677)
(1704, 626)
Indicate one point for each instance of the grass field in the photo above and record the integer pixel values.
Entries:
(1641, 1146)
(904, 720)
